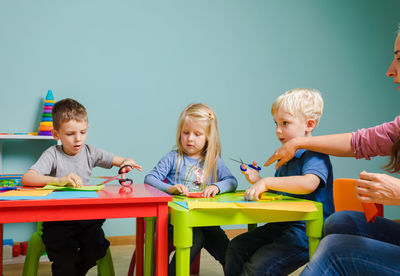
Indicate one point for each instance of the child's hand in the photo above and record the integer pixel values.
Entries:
(251, 174)
(210, 191)
(132, 163)
(255, 191)
(178, 189)
(71, 180)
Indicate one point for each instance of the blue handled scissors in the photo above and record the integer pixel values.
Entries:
(253, 165)
(123, 181)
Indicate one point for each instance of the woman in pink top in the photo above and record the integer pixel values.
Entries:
(351, 246)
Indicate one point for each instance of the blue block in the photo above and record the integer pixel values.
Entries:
(8, 242)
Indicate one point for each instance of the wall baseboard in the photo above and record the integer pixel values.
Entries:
(131, 240)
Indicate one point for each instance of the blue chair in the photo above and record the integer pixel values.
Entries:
(36, 249)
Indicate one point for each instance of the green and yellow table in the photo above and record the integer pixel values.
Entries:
(281, 209)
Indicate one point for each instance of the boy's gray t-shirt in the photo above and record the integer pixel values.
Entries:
(54, 162)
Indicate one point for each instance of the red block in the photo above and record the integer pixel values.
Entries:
(16, 250)
(24, 247)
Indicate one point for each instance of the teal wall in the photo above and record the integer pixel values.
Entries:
(136, 64)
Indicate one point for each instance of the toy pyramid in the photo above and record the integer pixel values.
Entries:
(46, 123)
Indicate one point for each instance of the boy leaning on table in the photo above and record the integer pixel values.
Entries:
(281, 248)
(72, 246)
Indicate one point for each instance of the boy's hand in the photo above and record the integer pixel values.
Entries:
(210, 191)
(178, 189)
(132, 163)
(71, 180)
(255, 191)
(251, 174)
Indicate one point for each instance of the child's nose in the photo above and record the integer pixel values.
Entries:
(392, 72)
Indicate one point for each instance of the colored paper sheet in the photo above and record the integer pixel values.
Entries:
(282, 206)
(264, 196)
(370, 211)
(63, 188)
(72, 194)
(279, 206)
(32, 192)
(55, 195)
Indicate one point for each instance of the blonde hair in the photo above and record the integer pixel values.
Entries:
(212, 148)
(304, 102)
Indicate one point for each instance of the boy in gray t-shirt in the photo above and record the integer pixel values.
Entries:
(72, 246)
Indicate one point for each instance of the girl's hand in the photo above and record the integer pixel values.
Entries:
(178, 189)
(251, 174)
(378, 188)
(71, 180)
(210, 191)
(284, 154)
(131, 162)
(255, 191)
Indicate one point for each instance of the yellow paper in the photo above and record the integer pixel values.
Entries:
(210, 205)
(27, 193)
(302, 206)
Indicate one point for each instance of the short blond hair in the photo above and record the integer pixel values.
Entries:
(305, 102)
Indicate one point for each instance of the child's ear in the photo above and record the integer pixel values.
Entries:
(310, 125)
(55, 134)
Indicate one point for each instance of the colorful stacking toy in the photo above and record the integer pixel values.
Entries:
(46, 123)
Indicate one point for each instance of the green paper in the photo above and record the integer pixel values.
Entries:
(84, 188)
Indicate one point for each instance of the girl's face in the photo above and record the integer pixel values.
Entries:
(289, 126)
(193, 137)
(394, 69)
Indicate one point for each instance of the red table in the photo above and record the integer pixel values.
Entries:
(113, 202)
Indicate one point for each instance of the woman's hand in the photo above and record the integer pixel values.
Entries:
(284, 154)
(210, 191)
(178, 189)
(378, 188)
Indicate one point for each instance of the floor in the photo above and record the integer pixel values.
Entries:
(121, 258)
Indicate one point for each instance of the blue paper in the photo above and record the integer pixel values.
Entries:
(56, 195)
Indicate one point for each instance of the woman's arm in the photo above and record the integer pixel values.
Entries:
(336, 144)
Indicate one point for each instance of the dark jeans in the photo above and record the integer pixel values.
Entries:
(74, 246)
(352, 246)
(271, 249)
(212, 238)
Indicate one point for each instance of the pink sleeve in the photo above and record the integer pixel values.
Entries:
(378, 140)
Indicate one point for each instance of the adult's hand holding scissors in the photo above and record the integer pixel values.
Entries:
(378, 188)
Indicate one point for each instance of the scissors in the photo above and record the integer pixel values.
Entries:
(253, 165)
(123, 181)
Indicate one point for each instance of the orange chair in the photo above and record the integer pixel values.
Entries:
(345, 198)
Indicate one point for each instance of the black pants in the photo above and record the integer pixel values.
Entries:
(74, 246)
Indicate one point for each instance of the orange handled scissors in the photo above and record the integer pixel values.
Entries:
(123, 181)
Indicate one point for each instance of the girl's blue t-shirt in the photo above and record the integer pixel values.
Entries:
(190, 174)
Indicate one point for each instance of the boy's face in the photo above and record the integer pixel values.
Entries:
(72, 135)
(289, 126)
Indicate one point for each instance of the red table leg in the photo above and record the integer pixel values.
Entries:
(139, 246)
(162, 241)
(1, 249)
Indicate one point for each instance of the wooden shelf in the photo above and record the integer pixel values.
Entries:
(26, 137)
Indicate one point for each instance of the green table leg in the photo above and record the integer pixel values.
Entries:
(314, 233)
(183, 241)
(149, 246)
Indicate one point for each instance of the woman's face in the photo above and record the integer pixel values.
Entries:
(394, 69)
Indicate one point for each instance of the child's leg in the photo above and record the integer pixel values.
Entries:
(92, 244)
(271, 249)
(61, 247)
(215, 242)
